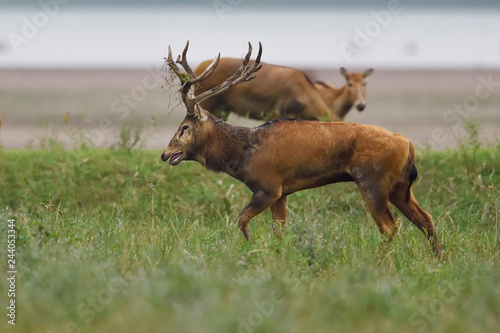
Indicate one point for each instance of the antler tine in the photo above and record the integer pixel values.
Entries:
(186, 80)
(208, 71)
(183, 61)
(259, 55)
(256, 66)
(173, 66)
(241, 75)
(248, 55)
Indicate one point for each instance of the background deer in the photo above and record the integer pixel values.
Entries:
(353, 93)
(281, 157)
(282, 92)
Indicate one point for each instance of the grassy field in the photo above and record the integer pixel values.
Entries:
(114, 240)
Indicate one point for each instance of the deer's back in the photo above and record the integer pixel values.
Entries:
(274, 87)
(305, 154)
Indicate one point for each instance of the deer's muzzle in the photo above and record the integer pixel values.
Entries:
(173, 158)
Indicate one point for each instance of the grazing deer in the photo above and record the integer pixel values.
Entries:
(281, 157)
(282, 92)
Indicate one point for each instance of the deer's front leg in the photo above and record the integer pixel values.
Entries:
(258, 203)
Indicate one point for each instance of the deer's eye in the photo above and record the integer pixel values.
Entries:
(350, 84)
(185, 127)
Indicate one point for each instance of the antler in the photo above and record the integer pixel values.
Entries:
(183, 61)
(188, 78)
(241, 75)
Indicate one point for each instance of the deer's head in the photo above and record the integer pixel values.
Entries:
(190, 139)
(357, 86)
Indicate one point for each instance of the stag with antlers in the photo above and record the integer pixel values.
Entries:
(281, 157)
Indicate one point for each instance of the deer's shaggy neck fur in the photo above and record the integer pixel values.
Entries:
(227, 147)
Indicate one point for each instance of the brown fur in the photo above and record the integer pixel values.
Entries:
(281, 92)
(281, 157)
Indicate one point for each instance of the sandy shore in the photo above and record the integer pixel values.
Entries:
(94, 105)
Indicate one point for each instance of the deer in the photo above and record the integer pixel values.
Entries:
(283, 156)
(353, 93)
(282, 92)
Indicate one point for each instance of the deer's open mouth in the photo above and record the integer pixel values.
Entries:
(175, 158)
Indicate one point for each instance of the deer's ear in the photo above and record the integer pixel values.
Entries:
(201, 114)
(368, 72)
(343, 71)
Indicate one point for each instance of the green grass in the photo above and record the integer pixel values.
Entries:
(92, 257)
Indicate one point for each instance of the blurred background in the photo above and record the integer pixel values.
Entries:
(74, 71)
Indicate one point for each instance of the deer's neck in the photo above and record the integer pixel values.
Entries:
(228, 149)
(345, 103)
(340, 101)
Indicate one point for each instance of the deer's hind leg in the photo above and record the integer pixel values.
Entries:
(377, 199)
(278, 210)
(402, 197)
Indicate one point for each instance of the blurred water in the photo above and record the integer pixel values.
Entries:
(311, 38)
